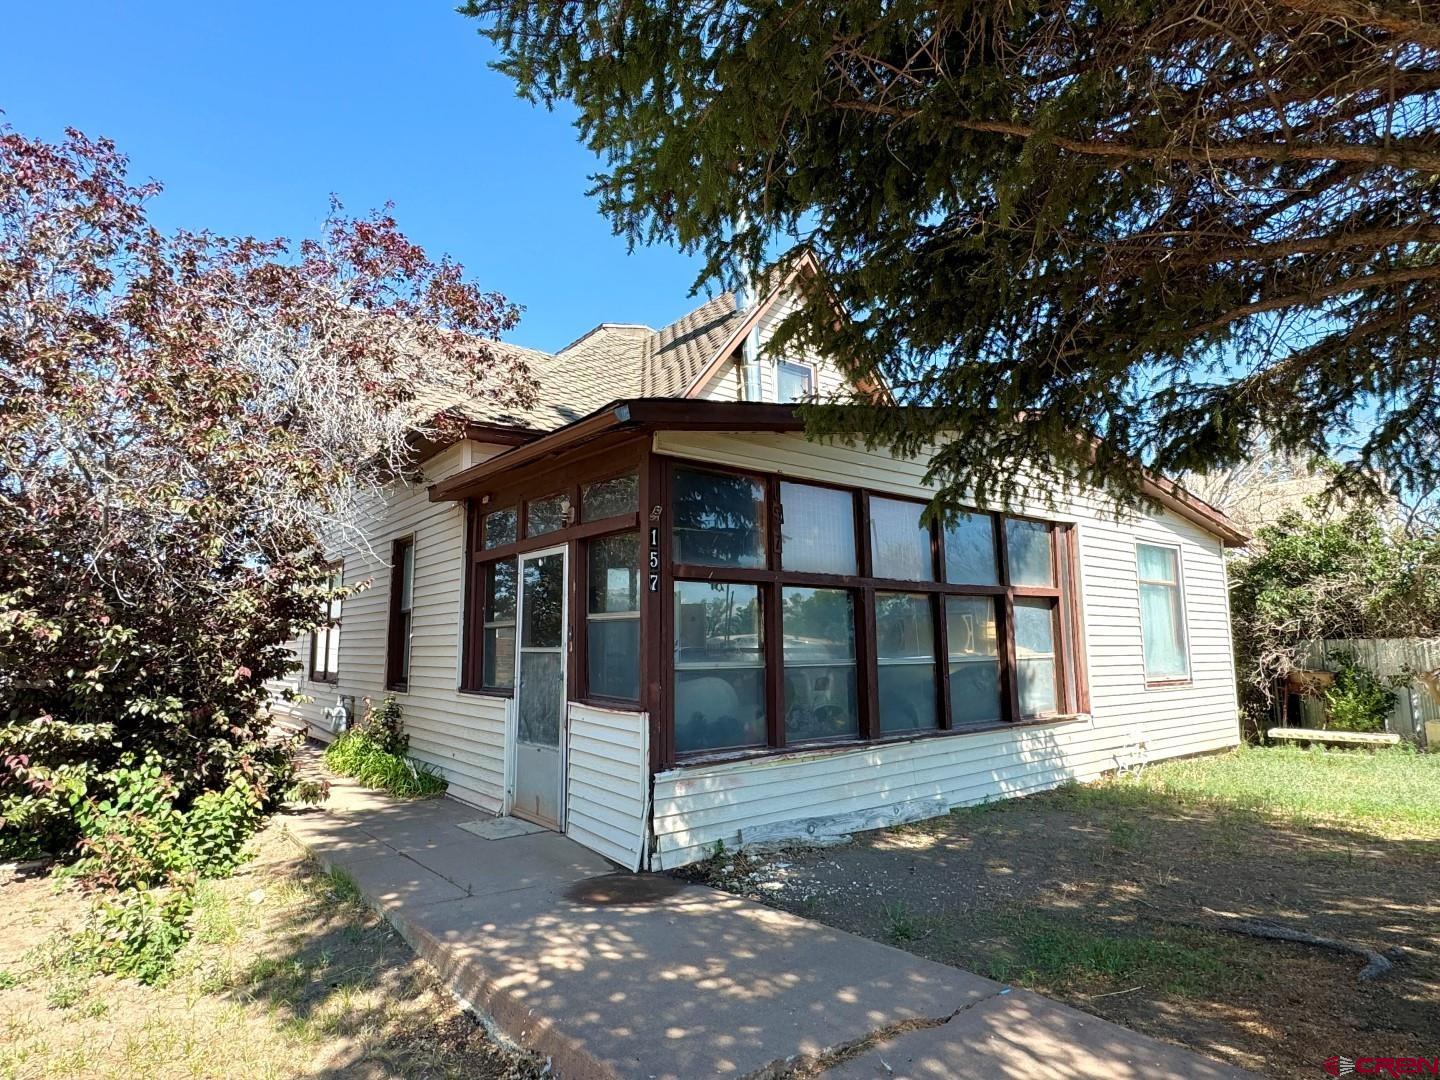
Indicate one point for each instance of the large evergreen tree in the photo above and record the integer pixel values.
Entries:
(1175, 226)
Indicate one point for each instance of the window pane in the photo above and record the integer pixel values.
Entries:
(974, 660)
(497, 639)
(719, 519)
(1164, 637)
(1158, 563)
(899, 544)
(332, 651)
(615, 574)
(970, 550)
(1035, 655)
(498, 645)
(500, 591)
(500, 528)
(817, 535)
(607, 498)
(821, 701)
(1162, 614)
(544, 606)
(407, 576)
(546, 515)
(613, 652)
(405, 646)
(719, 666)
(905, 651)
(795, 382)
(1027, 543)
(612, 634)
(542, 696)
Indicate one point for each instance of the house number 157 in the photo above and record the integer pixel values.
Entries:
(654, 560)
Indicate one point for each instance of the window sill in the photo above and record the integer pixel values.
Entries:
(1168, 684)
(612, 704)
(323, 681)
(397, 688)
(724, 757)
(473, 691)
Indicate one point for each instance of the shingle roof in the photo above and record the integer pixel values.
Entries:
(680, 351)
(613, 361)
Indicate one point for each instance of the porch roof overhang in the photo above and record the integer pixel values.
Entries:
(634, 415)
(620, 417)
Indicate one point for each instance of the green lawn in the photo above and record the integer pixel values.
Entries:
(1394, 792)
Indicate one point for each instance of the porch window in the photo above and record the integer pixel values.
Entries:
(1162, 614)
(900, 545)
(861, 622)
(822, 699)
(905, 656)
(402, 588)
(612, 620)
(497, 633)
(719, 667)
(1027, 544)
(1035, 655)
(325, 642)
(610, 498)
(500, 527)
(547, 515)
(970, 550)
(817, 531)
(971, 631)
(719, 519)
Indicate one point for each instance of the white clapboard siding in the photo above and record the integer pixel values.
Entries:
(726, 384)
(1129, 724)
(607, 786)
(462, 735)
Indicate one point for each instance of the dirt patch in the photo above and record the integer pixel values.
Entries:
(287, 974)
(1099, 902)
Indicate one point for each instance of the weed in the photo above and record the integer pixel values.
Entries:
(9, 980)
(900, 925)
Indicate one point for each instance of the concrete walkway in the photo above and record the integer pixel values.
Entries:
(620, 975)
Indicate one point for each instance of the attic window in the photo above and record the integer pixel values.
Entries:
(794, 382)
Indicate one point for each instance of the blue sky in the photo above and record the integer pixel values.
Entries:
(252, 114)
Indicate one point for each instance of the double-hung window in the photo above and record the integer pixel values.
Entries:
(1162, 614)
(325, 642)
(402, 589)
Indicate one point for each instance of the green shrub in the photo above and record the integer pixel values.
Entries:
(1360, 700)
(140, 838)
(356, 754)
(385, 727)
(138, 933)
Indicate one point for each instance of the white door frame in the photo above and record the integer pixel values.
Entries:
(512, 712)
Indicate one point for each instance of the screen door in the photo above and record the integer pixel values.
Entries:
(540, 689)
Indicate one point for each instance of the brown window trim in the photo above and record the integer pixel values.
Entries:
(1072, 695)
(317, 654)
(400, 622)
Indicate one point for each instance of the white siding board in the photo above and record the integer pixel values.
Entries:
(607, 782)
(698, 806)
(459, 734)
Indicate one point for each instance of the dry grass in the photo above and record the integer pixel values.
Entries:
(287, 975)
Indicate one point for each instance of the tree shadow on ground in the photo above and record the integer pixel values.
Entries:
(1103, 897)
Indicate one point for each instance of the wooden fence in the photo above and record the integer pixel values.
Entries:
(1419, 699)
